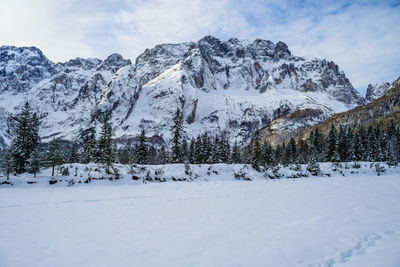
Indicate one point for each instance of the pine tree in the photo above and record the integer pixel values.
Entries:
(142, 149)
(350, 142)
(216, 151)
(177, 134)
(318, 143)
(358, 146)
(199, 158)
(278, 154)
(235, 157)
(303, 155)
(371, 152)
(185, 151)
(313, 165)
(115, 158)
(73, 155)
(331, 153)
(343, 145)
(163, 155)
(34, 162)
(393, 159)
(55, 155)
(256, 151)
(267, 154)
(192, 151)
(105, 146)
(224, 147)
(27, 138)
(206, 149)
(125, 153)
(292, 151)
(89, 149)
(379, 144)
(6, 162)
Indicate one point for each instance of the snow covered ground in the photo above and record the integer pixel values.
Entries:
(319, 221)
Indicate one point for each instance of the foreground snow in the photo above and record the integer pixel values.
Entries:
(340, 221)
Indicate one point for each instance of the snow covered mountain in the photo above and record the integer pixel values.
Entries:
(232, 85)
(376, 91)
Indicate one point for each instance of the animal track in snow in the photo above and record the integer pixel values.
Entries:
(358, 249)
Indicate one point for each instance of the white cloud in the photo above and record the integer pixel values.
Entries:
(361, 38)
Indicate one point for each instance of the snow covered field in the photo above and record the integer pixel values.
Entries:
(340, 221)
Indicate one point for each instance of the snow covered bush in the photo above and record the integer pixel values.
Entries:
(379, 169)
(313, 168)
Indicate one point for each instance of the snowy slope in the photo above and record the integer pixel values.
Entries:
(220, 85)
(348, 221)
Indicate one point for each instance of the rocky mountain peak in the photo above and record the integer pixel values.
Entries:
(235, 85)
(115, 62)
(21, 67)
(377, 90)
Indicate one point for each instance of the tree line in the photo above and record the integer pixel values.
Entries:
(342, 144)
(27, 154)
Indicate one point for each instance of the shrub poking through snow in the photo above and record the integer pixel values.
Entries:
(356, 165)
(64, 170)
(188, 170)
(379, 169)
(313, 168)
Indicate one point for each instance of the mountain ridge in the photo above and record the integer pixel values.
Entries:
(231, 85)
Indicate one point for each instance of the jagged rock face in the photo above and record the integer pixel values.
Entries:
(64, 94)
(224, 85)
(220, 85)
(21, 68)
(376, 91)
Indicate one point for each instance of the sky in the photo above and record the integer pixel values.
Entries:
(362, 37)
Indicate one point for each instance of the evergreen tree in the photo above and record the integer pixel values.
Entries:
(350, 143)
(303, 154)
(142, 149)
(105, 146)
(89, 149)
(199, 158)
(278, 154)
(256, 151)
(27, 138)
(313, 165)
(318, 143)
(206, 148)
(185, 150)
(177, 134)
(267, 154)
(115, 158)
(371, 152)
(284, 152)
(125, 154)
(73, 155)
(392, 152)
(6, 162)
(292, 151)
(192, 151)
(379, 144)
(216, 151)
(34, 162)
(151, 155)
(331, 153)
(224, 147)
(343, 145)
(358, 146)
(235, 157)
(163, 155)
(55, 155)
